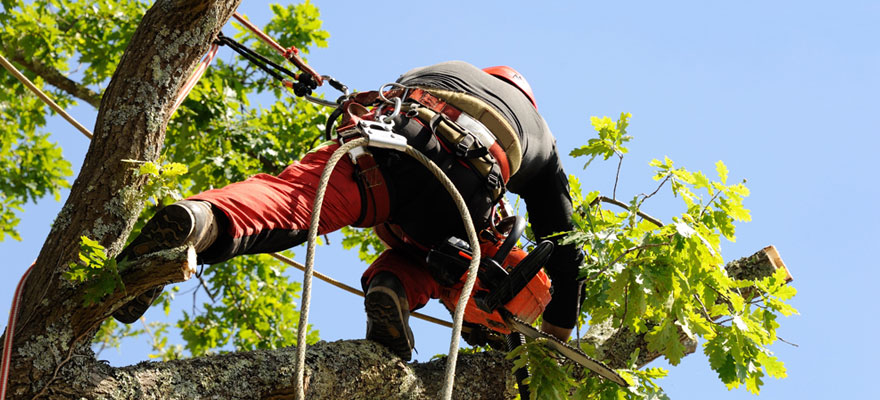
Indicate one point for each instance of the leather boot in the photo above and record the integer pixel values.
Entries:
(388, 315)
(185, 222)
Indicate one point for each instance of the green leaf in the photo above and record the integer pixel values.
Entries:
(722, 171)
(772, 365)
(664, 339)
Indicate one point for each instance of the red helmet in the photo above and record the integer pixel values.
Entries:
(514, 78)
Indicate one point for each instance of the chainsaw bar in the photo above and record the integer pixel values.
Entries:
(571, 353)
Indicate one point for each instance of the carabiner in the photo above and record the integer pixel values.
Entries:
(387, 118)
(393, 85)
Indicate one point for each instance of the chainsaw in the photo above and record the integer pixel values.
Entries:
(511, 290)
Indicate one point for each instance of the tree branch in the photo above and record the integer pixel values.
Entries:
(623, 205)
(55, 78)
(616, 345)
(358, 369)
(105, 200)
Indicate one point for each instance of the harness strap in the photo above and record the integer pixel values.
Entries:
(440, 106)
(375, 199)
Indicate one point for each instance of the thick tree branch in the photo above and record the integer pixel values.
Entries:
(55, 78)
(139, 275)
(358, 369)
(615, 345)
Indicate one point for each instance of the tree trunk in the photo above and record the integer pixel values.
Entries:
(105, 199)
(357, 369)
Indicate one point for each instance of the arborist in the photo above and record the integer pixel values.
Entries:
(481, 126)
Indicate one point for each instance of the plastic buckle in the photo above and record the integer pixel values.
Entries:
(461, 149)
(494, 180)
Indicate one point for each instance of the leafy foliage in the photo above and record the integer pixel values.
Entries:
(669, 281)
(368, 244)
(96, 270)
(612, 136)
(30, 165)
(255, 309)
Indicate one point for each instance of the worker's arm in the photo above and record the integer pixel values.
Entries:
(549, 206)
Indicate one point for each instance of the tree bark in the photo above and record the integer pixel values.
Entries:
(357, 369)
(105, 199)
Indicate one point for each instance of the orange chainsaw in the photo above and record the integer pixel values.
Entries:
(511, 290)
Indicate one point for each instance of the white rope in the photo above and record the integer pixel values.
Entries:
(310, 262)
(458, 317)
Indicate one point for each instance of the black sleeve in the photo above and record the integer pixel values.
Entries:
(548, 203)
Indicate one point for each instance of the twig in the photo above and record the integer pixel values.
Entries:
(149, 331)
(621, 204)
(629, 250)
(247, 323)
(703, 306)
(709, 203)
(787, 342)
(648, 196)
(625, 303)
(203, 284)
(617, 175)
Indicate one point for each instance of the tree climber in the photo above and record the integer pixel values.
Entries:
(505, 144)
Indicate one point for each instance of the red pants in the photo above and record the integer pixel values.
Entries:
(267, 213)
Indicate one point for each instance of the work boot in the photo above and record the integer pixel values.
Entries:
(185, 222)
(388, 315)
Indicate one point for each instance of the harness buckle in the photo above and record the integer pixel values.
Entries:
(381, 135)
(494, 179)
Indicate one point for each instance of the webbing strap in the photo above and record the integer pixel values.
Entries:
(440, 106)
(376, 206)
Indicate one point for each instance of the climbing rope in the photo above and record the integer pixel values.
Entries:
(458, 317)
(194, 77)
(10, 330)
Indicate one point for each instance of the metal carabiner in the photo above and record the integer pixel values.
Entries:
(393, 85)
(387, 118)
(336, 85)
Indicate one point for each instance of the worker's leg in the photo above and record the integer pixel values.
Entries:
(395, 284)
(262, 214)
(267, 213)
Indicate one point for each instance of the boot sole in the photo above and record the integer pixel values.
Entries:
(386, 322)
(165, 231)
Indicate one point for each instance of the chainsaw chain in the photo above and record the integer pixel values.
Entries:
(609, 373)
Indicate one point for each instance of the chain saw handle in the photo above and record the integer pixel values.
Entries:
(505, 289)
(518, 226)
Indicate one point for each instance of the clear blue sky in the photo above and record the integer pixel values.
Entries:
(785, 93)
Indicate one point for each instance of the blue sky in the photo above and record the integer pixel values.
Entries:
(785, 93)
